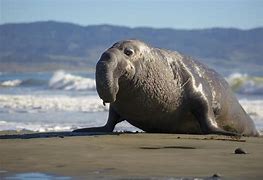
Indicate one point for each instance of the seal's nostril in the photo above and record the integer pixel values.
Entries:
(106, 56)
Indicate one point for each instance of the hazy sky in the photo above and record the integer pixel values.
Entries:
(187, 14)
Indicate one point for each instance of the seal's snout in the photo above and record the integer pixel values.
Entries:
(106, 79)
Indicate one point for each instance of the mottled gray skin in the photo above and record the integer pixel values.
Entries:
(161, 91)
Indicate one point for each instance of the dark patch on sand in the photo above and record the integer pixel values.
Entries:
(167, 147)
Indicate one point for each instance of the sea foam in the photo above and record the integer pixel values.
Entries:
(34, 103)
(38, 127)
(255, 111)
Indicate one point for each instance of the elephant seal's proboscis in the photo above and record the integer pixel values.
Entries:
(162, 91)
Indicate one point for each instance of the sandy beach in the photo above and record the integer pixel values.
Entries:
(132, 156)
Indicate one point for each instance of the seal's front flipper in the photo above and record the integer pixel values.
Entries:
(113, 119)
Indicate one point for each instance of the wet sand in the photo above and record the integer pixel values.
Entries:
(134, 156)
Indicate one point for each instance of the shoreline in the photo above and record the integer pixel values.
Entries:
(134, 156)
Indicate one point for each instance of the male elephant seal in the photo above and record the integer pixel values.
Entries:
(161, 91)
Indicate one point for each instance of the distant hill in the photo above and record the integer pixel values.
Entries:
(52, 45)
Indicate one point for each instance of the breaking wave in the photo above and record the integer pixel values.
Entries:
(59, 80)
(11, 83)
(66, 81)
(245, 84)
(27, 82)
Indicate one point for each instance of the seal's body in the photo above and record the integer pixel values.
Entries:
(162, 91)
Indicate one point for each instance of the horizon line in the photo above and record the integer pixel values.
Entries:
(131, 27)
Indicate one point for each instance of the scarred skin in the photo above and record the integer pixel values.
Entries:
(162, 91)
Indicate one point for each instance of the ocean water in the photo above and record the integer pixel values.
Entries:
(63, 101)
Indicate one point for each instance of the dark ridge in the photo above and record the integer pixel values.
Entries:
(52, 43)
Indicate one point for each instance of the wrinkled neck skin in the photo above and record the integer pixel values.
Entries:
(148, 87)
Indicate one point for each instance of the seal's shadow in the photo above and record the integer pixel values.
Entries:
(54, 134)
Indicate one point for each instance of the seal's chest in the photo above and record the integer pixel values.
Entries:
(152, 95)
(154, 104)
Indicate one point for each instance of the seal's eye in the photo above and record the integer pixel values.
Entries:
(128, 51)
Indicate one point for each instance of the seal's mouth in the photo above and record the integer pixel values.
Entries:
(108, 99)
